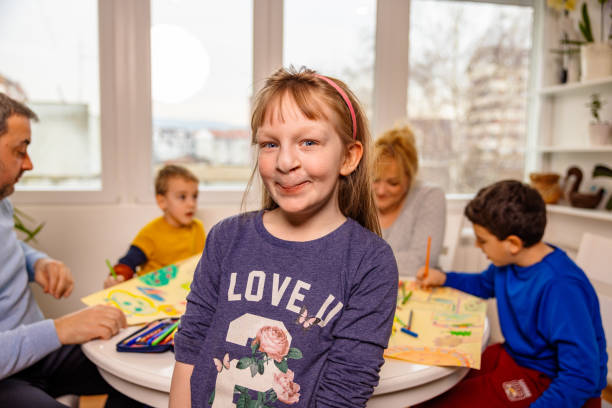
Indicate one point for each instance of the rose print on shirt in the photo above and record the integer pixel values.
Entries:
(262, 377)
(286, 390)
(273, 342)
(270, 343)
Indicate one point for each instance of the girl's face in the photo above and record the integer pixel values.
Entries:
(391, 185)
(300, 161)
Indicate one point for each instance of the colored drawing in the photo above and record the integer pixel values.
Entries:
(130, 303)
(156, 302)
(449, 324)
(160, 277)
(153, 293)
(186, 286)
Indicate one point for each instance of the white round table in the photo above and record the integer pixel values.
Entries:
(146, 377)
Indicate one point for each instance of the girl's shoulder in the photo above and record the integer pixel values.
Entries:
(236, 224)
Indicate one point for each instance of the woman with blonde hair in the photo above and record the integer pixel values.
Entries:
(409, 210)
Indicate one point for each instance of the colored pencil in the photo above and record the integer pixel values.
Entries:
(146, 333)
(163, 335)
(409, 320)
(409, 332)
(427, 257)
(112, 270)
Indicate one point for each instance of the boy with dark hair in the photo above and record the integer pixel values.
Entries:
(555, 350)
(174, 236)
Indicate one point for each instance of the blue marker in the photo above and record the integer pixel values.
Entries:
(409, 332)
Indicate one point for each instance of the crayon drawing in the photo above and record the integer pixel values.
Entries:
(449, 324)
(155, 295)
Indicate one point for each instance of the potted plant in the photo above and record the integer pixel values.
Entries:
(599, 132)
(595, 57)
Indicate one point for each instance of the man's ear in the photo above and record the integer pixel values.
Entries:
(161, 201)
(513, 244)
(353, 157)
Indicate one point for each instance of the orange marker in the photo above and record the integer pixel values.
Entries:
(427, 257)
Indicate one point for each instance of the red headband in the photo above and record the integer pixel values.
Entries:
(346, 100)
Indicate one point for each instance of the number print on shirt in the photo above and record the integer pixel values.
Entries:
(265, 368)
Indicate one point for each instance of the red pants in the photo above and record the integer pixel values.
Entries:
(500, 382)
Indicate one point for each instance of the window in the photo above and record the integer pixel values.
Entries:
(49, 59)
(201, 63)
(467, 91)
(336, 38)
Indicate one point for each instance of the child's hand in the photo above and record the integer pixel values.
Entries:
(110, 281)
(434, 278)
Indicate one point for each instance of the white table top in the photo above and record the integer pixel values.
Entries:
(401, 383)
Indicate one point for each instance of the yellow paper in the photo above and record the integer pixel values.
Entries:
(155, 295)
(449, 324)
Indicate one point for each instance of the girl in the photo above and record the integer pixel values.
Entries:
(293, 304)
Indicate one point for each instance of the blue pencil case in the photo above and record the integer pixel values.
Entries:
(155, 337)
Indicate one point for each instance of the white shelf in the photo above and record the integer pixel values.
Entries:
(575, 86)
(580, 212)
(575, 149)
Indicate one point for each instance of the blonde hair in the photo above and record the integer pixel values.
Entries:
(171, 171)
(312, 94)
(398, 144)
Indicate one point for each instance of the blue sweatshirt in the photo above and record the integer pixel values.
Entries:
(549, 315)
(25, 335)
(283, 322)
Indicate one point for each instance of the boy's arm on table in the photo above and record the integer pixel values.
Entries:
(477, 284)
(565, 321)
(360, 336)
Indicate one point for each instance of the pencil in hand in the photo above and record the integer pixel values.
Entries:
(427, 257)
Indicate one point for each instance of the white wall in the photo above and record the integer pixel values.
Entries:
(83, 236)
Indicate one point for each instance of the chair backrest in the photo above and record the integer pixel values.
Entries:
(595, 259)
(454, 223)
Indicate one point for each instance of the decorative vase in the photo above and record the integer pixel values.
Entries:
(596, 60)
(599, 134)
(547, 184)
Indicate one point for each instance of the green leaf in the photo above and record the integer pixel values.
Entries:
(282, 365)
(240, 389)
(272, 397)
(260, 366)
(212, 398)
(253, 370)
(243, 401)
(254, 346)
(244, 362)
(294, 353)
(252, 404)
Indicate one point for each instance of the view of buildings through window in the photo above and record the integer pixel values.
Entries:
(467, 101)
(469, 65)
(49, 59)
(202, 84)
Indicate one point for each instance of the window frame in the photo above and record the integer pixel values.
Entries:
(125, 92)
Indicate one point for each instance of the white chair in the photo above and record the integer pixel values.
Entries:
(595, 259)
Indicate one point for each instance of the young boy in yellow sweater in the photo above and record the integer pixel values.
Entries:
(174, 236)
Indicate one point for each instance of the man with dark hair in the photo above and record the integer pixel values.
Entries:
(554, 353)
(40, 358)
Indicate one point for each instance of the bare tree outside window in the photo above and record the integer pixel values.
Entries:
(467, 99)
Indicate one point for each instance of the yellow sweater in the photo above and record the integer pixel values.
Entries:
(164, 244)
